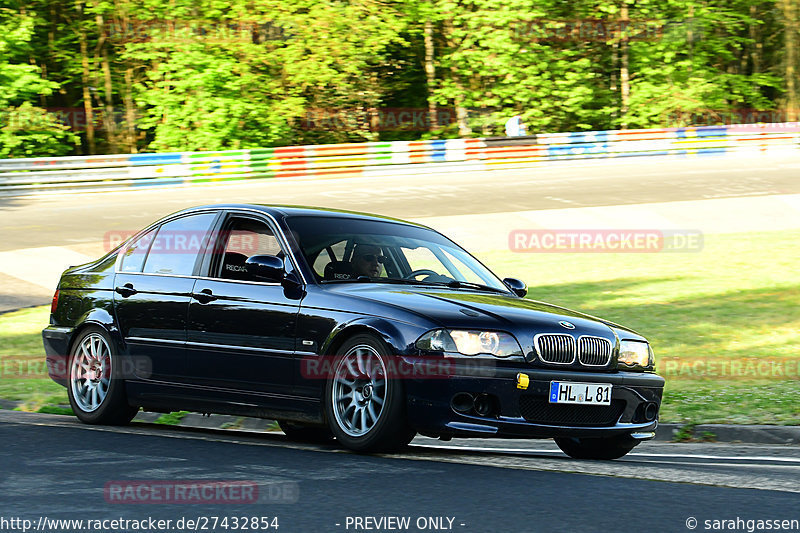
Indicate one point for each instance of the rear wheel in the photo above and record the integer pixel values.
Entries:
(302, 433)
(595, 448)
(364, 406)
(96, 392)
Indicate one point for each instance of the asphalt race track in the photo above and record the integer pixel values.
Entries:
(57, 219)
(54, 467)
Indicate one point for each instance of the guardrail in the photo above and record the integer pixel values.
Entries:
(24, 176)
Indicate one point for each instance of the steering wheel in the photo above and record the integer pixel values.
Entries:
(420, 272)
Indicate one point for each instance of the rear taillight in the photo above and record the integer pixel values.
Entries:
(54, 303)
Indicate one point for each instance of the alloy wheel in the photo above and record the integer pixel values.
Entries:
(90, 372)
(359, 390)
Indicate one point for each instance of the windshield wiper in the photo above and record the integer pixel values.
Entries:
(455, 284)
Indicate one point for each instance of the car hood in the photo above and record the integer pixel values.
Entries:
(459, 308)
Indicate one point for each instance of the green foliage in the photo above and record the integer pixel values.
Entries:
(171, 419)
(25, 130)
(18, 81)
(29, 131)
(202, 97)
(231, 74)
(684, 433)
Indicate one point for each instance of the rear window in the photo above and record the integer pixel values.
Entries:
(136, 253)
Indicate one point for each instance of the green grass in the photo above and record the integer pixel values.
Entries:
(171, 419)
(23, 372)
(738, 300)
(55, 410)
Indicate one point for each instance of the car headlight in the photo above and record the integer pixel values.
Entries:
(470, 342)
(635, 354)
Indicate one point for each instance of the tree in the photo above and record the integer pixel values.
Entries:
(26, 130)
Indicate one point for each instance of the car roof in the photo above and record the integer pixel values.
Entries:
(280, 211)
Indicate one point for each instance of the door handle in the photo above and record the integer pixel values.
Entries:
(204, 296)
(126, 290)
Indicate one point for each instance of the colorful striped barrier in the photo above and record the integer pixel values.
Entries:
(21, 176)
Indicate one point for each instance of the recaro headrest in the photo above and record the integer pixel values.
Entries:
(233, 266)
(339, 270)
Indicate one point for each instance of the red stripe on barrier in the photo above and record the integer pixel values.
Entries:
(290, 151)
(420, 146)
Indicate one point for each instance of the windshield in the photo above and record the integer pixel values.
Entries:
(349, 249)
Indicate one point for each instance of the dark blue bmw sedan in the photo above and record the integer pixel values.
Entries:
(346, 326)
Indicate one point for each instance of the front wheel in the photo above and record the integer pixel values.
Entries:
(365, 407)
(596, 448)
(96, 392)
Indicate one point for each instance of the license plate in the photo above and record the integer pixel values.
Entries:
(580, 393)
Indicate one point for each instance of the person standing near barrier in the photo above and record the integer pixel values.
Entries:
(515, 127)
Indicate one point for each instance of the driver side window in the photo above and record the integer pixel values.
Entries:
(243, 238)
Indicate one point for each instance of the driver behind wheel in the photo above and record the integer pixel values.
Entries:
(367, 260)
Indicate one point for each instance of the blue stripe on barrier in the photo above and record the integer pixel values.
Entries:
(702, 131)
(711, 151)
(577, 149)
(438, 150)
(154, 159)
(712, 131)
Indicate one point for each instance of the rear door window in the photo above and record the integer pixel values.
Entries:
(178, 244)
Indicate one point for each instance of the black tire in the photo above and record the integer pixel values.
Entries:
(596, 448)
(302, 433)
(109, 405)
(386, 428)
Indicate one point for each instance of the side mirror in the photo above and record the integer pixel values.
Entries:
(266, 267)
(518, 287)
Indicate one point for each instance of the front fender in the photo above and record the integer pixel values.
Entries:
(400, 337)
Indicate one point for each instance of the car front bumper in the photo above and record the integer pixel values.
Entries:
(527, 413)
